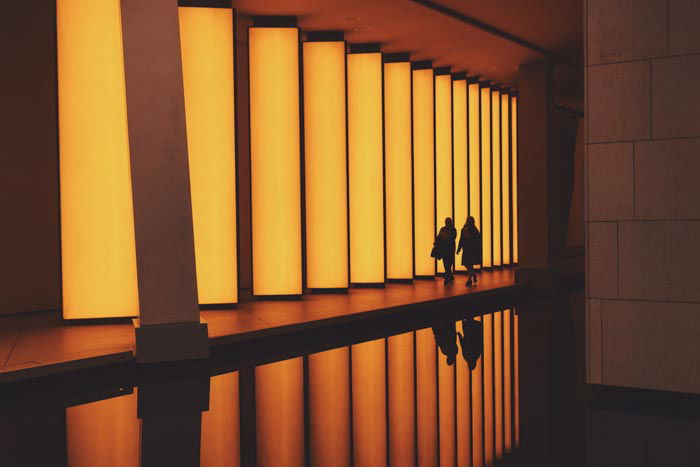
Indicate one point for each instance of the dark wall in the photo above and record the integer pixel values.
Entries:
(29, 203)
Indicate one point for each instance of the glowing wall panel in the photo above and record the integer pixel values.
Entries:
(443, 151)
(496, 172)
(508, 379)
(505, 177)
(275, 160)
(474, 155)
(477, 387)
(325, 165)
(460, 157)
(489, 441)
(221, 440)
(516, 377)
(398, 169)
(426, 397)
(366, 165)
(279, 402)
(206, 40)
(402, 414)
(446, 406)
(464, 416)
(486, 226)
(97, 219)
(423, 171)
(498, 380)
(514, 156)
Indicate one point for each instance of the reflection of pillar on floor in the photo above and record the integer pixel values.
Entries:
(168, 327)
(171, 420)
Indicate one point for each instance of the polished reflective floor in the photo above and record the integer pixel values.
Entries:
(490, 387)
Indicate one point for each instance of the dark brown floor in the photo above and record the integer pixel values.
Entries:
(42, 343)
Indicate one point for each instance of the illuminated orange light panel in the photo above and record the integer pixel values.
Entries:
(325, 165)
(443, 151)
(397, 147)
(423, 171)
(496, 171)
(97, 220)
(486, 232)
(514, 155)
(474, 152)
(505, 177)
(206, 37)
(460, 156)
(275, 159)
(366, 163)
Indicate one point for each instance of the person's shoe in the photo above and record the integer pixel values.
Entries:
(475, 278)
(469, 282)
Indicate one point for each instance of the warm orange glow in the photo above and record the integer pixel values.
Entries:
(498, 380)
(514, 156)
(399, 184)
(474, 155)
(426, 396)
(516, 376)
(446, 405)
(106, 429)
(369, 403)
(206, 39)
(402, 415)
(221, 441)
(488, 391)
(365, 133)
(459, 131)
(464, 415)
(486, 230)
(97, 219)
(423, 171)
(329, 407)
(496, 171)
(505, 177)
(508, 379)
(279, 402)
(275, 160)
(325, 164)
(443, 151)
(478, 412)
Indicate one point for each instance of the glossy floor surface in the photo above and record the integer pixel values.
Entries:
(500, 387)
(43, 343)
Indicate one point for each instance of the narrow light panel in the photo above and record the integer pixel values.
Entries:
(423, 171)
(402, 413)
(505, 177)
(486, 226)
(496, 172)
(474, 155)
(514, 156)
(325, 165)
(207, 42)
(398, 169)
(477, 387)
(460, 157)
(443, 152)
(366, 165)
(426, 397)
(97, 220)
(275, 160)
(489, 391)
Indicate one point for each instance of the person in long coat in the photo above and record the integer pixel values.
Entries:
(444, 247)
(470, 245)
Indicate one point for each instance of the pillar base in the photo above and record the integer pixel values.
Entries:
(156, 343)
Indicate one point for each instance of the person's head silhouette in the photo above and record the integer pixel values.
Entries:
(470, 222)
(448, 221)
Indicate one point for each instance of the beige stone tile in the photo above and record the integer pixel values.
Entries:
(684, 33)
(666, 179)
(659, 260)
(651, 345)
(618, 102)
(622, 30)
(676, 97)
(602, 259)
(610, 181)
(594, 344)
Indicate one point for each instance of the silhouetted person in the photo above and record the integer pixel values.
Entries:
(470, 245)
(446, 337)
(444, 248)
(472, 342)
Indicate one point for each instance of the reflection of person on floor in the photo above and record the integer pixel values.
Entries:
(445, 248)
(470, 245)
(446, 338)
(472, 342)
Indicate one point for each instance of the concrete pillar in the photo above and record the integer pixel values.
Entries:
(169, 326)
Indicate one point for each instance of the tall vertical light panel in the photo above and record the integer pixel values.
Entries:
(496, 172)
(423, 168)
(97, 219)
(460, 155)
(443, 149)
(325, 165)
(275, 160)
(505, 176)
(474, 154)
(398, 168)
(486, 226)
(514, 157)
(206, 40)
(366, 167)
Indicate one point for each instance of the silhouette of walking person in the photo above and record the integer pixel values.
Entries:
(446, 337)
(472, 342)
(470, 245)
(444, 248)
